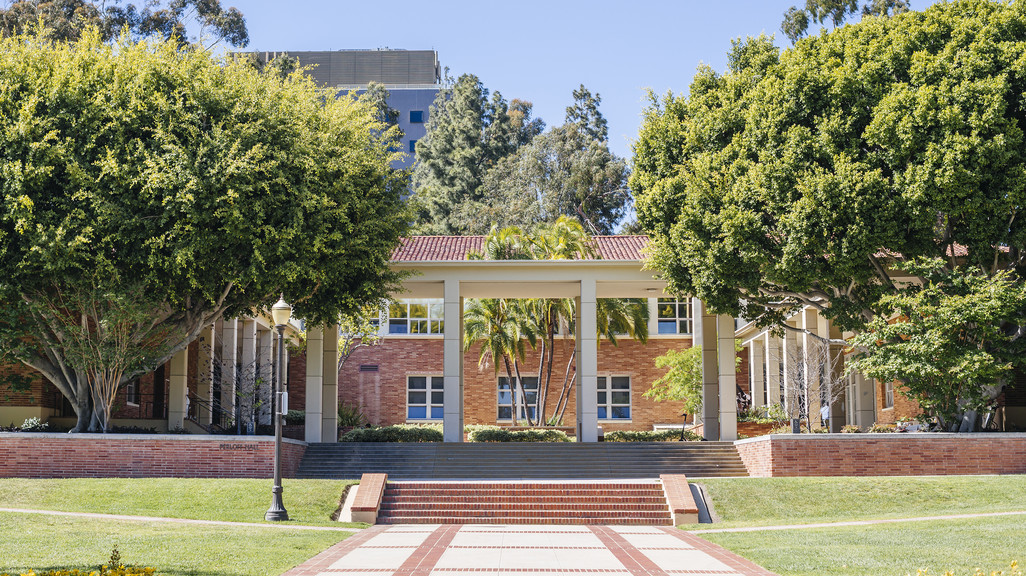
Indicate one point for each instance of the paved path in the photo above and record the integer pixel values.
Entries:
(176, 520)
(520, 550)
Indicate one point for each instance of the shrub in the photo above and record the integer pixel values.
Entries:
(882, 428)
(34, 425)
(295, 417)
(132, 430)
(762, 414)
(650, 436)
(850, 429)
(400, 433)
(504, 435)
(350, 416)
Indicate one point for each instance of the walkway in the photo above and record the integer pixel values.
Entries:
(456, 549)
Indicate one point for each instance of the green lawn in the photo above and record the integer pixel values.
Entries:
(959, 545)
(309, 502)
(767, 501)
(50, 542)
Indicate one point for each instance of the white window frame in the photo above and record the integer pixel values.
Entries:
(517, 398)
(434, 383)
(677, 319)
(132, 392)
(888, 394)
(431, 324)
(604, 387)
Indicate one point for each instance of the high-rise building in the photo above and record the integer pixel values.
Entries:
(412, 78)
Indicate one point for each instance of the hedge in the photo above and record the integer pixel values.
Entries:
(650, 436)
(393, 434)
(504, 435)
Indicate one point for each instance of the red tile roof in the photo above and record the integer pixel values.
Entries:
(456, 248)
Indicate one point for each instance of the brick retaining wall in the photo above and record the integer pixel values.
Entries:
(143, 455)
(883, 454)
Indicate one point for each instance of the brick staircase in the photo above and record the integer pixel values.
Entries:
(622, 502)
(538, 461)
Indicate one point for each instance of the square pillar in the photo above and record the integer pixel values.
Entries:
(773, 393)
(865, 401)
(314, 384)
(756, 372)
(177, 389)
(727, 377)
(705, 336)
(247, 383)
(812, 363)
(329, 390)
(587, 363)
(452, 362)
(790, 360)
(265, 351)
(204, 376)
(229, 365)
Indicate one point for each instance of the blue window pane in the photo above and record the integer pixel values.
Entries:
(621, 412)
(436, 412)
(415, 412)
(601, 412)
(416, 116)
(667, 326)
(505, 413)
(397, 327)
(505, 397)
(413, 146)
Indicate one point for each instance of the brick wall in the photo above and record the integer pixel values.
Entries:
(382, 393)
(141, 456)
(903, 409)
(883, 454)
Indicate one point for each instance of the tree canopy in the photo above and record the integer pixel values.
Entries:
(67, 19)
(796, 20)
(203, 186)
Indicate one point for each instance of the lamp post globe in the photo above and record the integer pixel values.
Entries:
(280, 314)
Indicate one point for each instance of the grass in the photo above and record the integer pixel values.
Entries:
(52, 542)
(961, 546)
(767, 501)
(895, 549)
(309, 502)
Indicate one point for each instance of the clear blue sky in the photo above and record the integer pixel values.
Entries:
(536, 50)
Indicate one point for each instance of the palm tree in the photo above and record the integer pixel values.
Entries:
(497, 325)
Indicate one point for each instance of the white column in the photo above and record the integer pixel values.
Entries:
(756, 374)
(205, 375)
(789, 355)
(265, 351)
(247, 376)
(329, 393)
(229, 365)
(653, 316)
(835, 378)
(177, 390)
(452, 362)
(314, 384)
(865, 401)
(727, 377)
(705, 336)
(772, 345)
(587, 363)
(811, 362)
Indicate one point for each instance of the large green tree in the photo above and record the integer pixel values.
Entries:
(67, 19)
(467, 134)
(835, 12)
(800, 178)
(568, 171)
(200, 187)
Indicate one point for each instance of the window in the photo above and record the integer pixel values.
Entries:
(424, 397)
(415, 317)
(674, 316)
(889, 394)
(413, 146)
(525, 401)
(416, 116)
(132, 393)
(614, 397)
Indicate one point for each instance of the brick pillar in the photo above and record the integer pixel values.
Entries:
(314, 384)
(587, 363)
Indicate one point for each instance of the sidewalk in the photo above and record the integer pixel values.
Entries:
(522, 550)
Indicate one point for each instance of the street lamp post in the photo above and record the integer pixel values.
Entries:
(280, 314)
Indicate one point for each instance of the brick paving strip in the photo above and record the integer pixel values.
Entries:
(857, 522)
(98, 516)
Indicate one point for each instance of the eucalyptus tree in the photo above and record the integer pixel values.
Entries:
(184, 187)
(802, 177)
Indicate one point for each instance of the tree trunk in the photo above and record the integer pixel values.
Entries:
(512, 390)
(564, 394)
(523, 394)
(539, 410)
